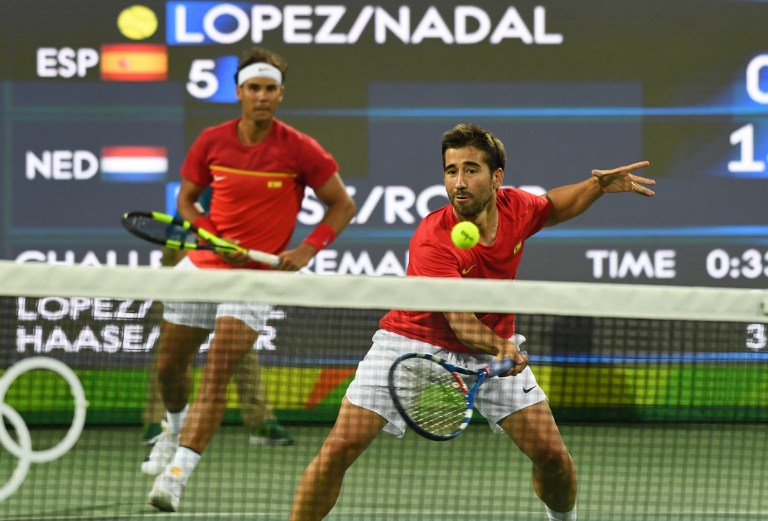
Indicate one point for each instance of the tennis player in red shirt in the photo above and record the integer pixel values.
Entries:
(473, 172)
(258, 168)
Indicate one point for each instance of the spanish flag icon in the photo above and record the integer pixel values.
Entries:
(134, 62)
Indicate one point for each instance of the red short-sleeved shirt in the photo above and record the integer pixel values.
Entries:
(257, 190)
(432, 254)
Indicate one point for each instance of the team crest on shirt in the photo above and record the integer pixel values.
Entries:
(517, 248)
(274, 184)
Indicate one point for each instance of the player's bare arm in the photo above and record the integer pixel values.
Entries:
(186, 201)
(479, 337)
(189, 209)
(341, 210)
(341, 207)
(570, 201)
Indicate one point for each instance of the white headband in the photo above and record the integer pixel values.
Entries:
(259, 70)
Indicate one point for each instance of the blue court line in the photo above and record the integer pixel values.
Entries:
(397, 232)
(651, 358)
(686, 231)
(530, 112)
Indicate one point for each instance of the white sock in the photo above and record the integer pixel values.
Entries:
(561, 516)
(185, 459)
(176, 420)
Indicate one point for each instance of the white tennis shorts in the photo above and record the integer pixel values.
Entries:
(496, 399)
(204, 314)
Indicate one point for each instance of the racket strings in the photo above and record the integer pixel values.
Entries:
(431, 396)
(160, 231)
(173, 233)
(180, 238)
(177, 235)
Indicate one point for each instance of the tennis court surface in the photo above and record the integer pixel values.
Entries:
(661, 394)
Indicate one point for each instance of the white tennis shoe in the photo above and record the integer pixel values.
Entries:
(167, 489)
(162, 453)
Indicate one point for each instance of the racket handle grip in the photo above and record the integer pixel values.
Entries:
(266, 258)
(501, 367)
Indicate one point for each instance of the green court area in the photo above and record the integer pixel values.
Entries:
(645, 472)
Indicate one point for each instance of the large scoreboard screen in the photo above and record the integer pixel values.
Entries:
(99, 102)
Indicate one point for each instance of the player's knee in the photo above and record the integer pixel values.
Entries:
(222, 361)
(341, 451)
(170, 367)
(555, 461)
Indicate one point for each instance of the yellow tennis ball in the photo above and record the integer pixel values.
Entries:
(465, 234)
(137, 22)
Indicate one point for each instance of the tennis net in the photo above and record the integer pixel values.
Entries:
(660, 393)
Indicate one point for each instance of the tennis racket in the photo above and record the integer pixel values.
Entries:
(178, 234)
(433, 397)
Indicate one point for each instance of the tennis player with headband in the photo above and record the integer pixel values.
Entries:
(258, 168)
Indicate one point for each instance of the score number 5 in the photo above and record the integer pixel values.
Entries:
(213, 80)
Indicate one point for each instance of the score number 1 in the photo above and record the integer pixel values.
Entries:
(745, 136)
(746, 164)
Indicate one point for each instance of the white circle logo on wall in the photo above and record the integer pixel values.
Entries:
(23, 448)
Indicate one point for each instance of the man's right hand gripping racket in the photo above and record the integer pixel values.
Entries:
(436, 398)
(163, 229)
